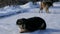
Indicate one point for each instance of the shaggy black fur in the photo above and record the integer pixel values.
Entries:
(32, 24)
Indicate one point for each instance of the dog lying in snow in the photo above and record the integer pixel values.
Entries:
(31, 24)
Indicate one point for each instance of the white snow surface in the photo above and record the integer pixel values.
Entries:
(28, 7)
(8, 24)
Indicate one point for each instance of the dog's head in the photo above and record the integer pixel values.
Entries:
(20, 21)
(22, 24)
(31, 24)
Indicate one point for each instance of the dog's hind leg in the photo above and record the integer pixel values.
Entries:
(47, 9)
(43, 26)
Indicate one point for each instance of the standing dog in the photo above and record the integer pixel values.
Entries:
(46, 5)
(31, 24)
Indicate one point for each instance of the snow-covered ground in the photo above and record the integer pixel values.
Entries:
(56, 4)
(28, 7)
(8, 24)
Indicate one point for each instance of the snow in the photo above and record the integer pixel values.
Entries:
(8, 10)
(28, 7)
(8, 24)
(56, 4)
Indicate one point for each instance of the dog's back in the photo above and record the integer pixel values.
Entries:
(37, 22)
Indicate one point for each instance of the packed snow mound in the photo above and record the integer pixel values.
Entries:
(27, 5)
(27, 8)
(10, 10)
(30, 5)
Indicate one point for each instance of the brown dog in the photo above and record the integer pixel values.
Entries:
(31, 24)
(46, 5)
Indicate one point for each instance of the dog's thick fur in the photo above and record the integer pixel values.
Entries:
(31, 24)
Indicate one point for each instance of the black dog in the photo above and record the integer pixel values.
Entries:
(31, 24)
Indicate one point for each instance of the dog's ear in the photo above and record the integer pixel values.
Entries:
(20, 21)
